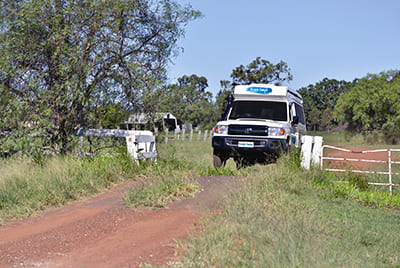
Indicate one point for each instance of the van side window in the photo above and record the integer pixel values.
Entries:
(300, 113)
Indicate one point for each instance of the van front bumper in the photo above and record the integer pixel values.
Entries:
(232, 145)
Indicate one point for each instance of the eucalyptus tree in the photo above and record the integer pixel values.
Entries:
(62, 59)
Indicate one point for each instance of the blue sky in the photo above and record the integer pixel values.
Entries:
(338, 39)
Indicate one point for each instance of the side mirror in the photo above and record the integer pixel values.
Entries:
(295, 120)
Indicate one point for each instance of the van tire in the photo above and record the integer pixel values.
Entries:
(219, 160)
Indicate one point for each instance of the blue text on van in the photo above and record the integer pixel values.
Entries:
(259, 90)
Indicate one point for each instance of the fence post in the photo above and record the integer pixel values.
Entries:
(183, 134)
(316, 150)
(205, 134)
(390, 170)
(306, 151)
(311, 151)
(166, 135)
(198, 136)
(191, 135)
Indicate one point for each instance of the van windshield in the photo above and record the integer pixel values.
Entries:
(259, 109)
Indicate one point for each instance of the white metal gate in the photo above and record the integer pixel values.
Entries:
(389, 161)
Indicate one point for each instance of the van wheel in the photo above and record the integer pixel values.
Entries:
(219, 160)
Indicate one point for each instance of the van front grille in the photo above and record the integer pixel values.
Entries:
(248, 130)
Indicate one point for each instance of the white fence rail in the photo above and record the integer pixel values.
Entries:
(389, 161)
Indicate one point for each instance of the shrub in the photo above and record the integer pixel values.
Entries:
(358, 180)
(391, 131)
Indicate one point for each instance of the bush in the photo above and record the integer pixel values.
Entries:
(373, 137)
(391, 131)
(358, 180)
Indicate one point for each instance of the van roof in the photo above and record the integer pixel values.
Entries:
(265, 90)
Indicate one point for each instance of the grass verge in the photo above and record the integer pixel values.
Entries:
(289, 217)
(160, 192)
(27, 187)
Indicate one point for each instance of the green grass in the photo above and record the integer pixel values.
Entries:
(159, 193)
(283, 217)
(27, 187)
(294, 218)
(355, 187)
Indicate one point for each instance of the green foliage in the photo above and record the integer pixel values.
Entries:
(110, 115)
(314, 118)
(327, 119)
(222, 95)
(359, 181)
(391, 130)
(60, 60)
(322, 97)
(261, 71)
(371, 103)
(189, 101)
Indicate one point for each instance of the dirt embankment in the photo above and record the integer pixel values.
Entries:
(103, 232)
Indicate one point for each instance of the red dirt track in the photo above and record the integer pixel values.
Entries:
(102, 232)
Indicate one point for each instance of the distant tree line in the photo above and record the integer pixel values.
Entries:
(368, 105)
(319, 103)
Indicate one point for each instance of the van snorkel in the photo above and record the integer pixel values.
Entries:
(230, 99)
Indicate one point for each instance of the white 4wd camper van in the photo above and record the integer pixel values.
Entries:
(260, 121)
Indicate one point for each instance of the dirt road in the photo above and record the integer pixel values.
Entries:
(102, 232)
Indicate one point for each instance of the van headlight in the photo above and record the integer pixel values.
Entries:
(276, 131)
(221, 129)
